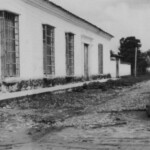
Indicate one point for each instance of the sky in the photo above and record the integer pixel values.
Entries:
(121, 18)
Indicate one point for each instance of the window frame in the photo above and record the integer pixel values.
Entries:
(9, 43)
(49, 50)
(70, 47)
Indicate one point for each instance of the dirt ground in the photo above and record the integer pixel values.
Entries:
(105, 120)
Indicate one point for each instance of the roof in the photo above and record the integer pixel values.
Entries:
(81, 19)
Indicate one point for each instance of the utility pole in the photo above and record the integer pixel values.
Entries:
(135, 67)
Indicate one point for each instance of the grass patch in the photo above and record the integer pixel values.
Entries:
(88, 94)
(110, 84)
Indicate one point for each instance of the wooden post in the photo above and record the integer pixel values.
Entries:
(135, 67)
(117, 67)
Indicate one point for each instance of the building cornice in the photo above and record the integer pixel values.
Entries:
(49, 7)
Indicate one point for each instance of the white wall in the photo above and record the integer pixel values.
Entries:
(31, 45)
(112, 69)
(125, 69)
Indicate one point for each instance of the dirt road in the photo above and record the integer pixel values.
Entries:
(119, 123)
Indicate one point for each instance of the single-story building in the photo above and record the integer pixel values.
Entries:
(41, 40)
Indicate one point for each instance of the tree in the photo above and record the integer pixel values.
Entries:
(142, 64)
(147, 56)
(127, 50)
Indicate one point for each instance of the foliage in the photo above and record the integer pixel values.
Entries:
(71, 99)
(127, 48)
(147, 56)
(142, 64)
(46, 82)
(148, 52)
(110, 84)
(98, 77)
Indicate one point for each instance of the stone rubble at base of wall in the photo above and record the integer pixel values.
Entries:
(23, 85)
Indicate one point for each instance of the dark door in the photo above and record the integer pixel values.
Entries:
(86, 61)
(100, 59)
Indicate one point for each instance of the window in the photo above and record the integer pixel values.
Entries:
(70, 54)
(100, 59)
(9, 44)
(49, 55)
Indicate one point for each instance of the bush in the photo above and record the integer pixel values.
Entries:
(95, 85)
(45, 82)
(78, 89)
(98, 77)
(123, 82)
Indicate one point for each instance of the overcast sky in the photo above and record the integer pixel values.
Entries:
(121, 18)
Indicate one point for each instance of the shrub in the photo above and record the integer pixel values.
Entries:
(95, 85)
(47, 82)
(78, 89)
(98, 77)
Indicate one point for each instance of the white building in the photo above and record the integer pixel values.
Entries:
(42, 40)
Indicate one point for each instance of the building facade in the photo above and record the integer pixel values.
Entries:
(39, 39)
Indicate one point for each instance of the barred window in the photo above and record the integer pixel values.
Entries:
(9, 44)
(70, 54)
(49, 50)
(100, 59)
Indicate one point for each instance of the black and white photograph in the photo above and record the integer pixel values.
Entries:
(74, 74)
